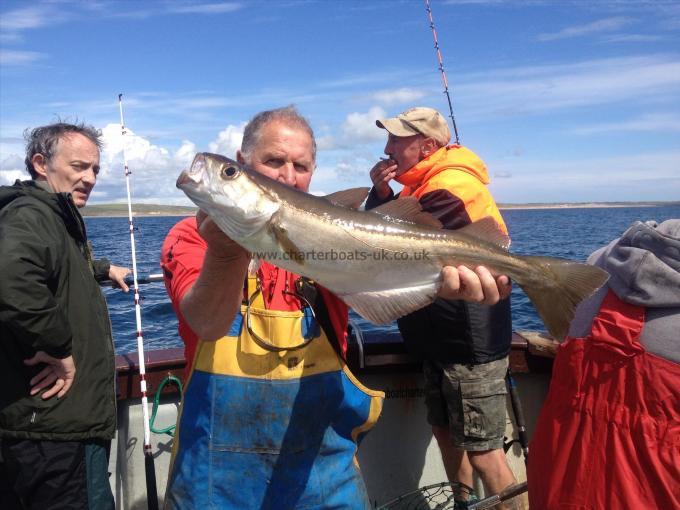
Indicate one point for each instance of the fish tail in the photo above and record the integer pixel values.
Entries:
(557, 297)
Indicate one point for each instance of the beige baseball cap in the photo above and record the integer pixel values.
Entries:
(419, 120)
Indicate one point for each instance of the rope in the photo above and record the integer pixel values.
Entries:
(151, 492)
(441, 69)
(170, 430)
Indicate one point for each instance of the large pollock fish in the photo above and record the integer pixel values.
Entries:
(384, 263)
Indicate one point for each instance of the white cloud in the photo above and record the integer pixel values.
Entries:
(632, 177)
(326, 143)
(656, 122)
(12, 168)
(363, 80)
(12, 161)
(185, 154)
(228, 141)
(153, 168)
(352, 170)
(360, 127)
(474, 2)
(603, 25)
(632, 38)
(398, 96)
(540, 89)
(214, 8)
(14, 22)
(136, 147)
(16, 57)
(9, 176)
(25, 18)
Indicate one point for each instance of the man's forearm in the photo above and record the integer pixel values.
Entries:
(210, 305)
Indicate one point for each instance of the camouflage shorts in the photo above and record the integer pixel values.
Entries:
(469, 400)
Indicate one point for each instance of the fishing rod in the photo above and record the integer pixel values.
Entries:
(441, 69)
(517, 410)
(506, 494)
(148, 278)
(149, 465)
(512, 386)
(141, 280)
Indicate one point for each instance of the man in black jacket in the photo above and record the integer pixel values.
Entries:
(57, 405)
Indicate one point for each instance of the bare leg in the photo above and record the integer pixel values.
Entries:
(493, 469)
(456, 463)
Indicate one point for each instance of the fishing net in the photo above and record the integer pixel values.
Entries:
(440, 496)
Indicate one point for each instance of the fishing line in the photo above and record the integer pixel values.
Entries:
(151, 492)
(441, 69)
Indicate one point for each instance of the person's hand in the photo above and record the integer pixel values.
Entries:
(381, 174)
(117, 275)
(219, 244)
(59, 373)
(478, 286)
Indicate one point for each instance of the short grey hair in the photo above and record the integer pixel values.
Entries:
(287, 114)
(44, 139)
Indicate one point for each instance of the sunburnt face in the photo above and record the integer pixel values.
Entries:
(73, 167)
(406, 151)
(283, 153)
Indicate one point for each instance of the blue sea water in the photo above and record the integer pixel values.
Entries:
(569, 233)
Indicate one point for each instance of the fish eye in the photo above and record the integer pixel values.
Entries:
(230, 172)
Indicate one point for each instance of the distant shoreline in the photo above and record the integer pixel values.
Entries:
(138, 210)
(151, 210)
(588, 205)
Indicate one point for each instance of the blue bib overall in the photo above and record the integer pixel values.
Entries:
(273, 430)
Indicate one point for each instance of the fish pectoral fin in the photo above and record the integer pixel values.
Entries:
(487, 229)
(288, 246)
(351, 198)
(407, 209)
(382, 307)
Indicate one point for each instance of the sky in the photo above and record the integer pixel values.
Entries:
(565, 100)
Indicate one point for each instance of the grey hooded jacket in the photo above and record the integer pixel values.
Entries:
(644, 265)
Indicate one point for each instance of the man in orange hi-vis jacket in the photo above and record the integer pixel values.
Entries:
(464, 345)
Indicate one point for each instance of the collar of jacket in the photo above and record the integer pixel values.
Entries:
(61, 203)
(451, 157)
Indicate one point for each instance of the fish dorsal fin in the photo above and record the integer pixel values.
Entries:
(407, 209)
(487, 229)
(351, 198)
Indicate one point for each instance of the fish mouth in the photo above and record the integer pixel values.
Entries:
(195, 174)
(185, 179)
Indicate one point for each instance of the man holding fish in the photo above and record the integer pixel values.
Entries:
(271, 415)
(465, 346)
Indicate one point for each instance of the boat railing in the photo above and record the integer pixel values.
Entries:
(530, 352)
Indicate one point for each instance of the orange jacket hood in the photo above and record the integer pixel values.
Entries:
(451, 157)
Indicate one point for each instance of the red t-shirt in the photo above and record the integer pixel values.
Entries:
(182, 257)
